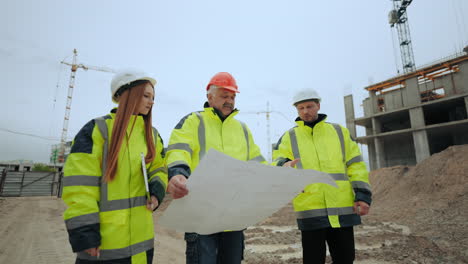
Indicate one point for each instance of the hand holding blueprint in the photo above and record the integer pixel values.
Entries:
(229, 194)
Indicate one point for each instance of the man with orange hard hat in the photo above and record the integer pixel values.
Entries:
(212, 128)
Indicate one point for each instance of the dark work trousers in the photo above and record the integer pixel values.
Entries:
(340, 243)
(149, 260)
(218, 248)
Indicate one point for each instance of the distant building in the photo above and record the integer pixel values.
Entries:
(55, 157)
(16, 165)
(409, 117)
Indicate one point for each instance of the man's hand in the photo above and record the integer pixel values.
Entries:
(93, 252)
(152, 204)
(361, 208)
(177, 186)
(291, 163)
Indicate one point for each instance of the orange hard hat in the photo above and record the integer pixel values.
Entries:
(224, 80)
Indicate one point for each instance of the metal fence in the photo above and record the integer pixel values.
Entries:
(29, 183)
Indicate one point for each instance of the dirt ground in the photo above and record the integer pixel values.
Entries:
(419, 215)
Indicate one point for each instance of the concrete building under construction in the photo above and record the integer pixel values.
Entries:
(409, 117)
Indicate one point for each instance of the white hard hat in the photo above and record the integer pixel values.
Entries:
(305, 95)
(126, 77)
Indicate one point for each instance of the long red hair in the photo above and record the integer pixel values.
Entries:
(128, 104)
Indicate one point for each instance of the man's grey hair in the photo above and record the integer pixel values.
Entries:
(212, 89)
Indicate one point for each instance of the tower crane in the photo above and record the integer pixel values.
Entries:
(74, 68)
(399, 17)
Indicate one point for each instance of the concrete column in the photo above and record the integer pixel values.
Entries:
(417, 117)
(448, 84)
(349, 112)
(373, 102)
(412, 92)
(461, 78)
(379, 153)
(371, 152)
(421, 145)
(466, 105)
(366, 105)
(376, 127)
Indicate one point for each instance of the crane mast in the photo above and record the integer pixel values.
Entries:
(71, 86)
(268, 113)
(398, 17)
(61, 156)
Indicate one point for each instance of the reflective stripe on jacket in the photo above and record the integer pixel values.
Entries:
(200, 131)
(111, 215)
(321, 148)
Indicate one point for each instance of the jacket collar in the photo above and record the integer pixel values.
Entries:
(218, 113)
(114, 111)
(321, 118)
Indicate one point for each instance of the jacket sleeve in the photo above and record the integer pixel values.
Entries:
(254, 150)
(356, 168)
(182, 144)
(157, 171)
(81, 188)
(282, 152)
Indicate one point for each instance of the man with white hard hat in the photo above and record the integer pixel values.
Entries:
(325, 214)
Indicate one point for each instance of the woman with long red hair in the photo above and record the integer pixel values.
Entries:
(115, 177)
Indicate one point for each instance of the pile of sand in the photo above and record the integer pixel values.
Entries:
(431, 198)
(437, 183)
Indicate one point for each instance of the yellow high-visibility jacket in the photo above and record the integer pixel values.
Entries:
(112, 216)
(328, 148)
(198, 132)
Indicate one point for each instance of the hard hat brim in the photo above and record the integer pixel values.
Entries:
(306, 100)
(230, 88)
(151, 80)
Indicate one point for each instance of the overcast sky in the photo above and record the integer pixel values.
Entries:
(273, 48)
